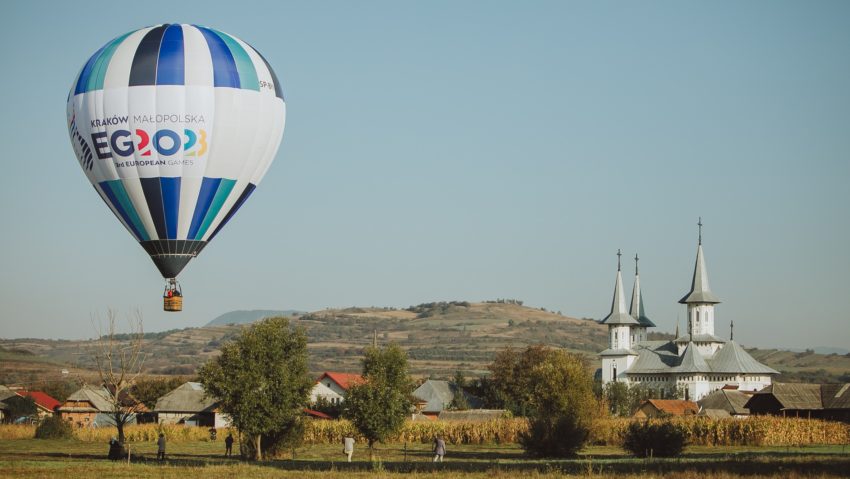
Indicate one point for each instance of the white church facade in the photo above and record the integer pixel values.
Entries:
(692, 365)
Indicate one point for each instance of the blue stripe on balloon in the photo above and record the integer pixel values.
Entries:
(205, 197)
(244, 196)
(83, 80)
(225, 73)
(171, 204)
(143, 71)
(108, 196)
(153, 196)
(170, 67)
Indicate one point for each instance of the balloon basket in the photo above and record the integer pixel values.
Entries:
(174, 303)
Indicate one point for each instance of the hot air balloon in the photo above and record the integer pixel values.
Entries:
(175, 125)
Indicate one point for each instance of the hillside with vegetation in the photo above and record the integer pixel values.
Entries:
(440, 338)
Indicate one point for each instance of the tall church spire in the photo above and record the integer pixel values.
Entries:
(636, 309)
(618, 314)
(700, 291)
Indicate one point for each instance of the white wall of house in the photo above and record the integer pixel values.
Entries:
(620, 364)
(331, 394)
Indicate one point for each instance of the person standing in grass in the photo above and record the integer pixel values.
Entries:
(348, 447)
(228, 445)
(160, 447)
(439, 449)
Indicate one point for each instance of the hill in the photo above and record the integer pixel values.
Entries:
(440, 338)
(243, 317)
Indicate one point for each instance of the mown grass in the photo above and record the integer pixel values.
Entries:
(69, 459)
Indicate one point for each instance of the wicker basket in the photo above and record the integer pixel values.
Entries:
(174, 303)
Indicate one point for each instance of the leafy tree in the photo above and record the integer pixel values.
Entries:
(651, 438)
(562, 405)
(379, 406)
(60, 390)
(261, 381)
(513, 387)
(54, 427)
(20, 406)
(459, 402)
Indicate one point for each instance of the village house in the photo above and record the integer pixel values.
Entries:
(434, 396)
(689, 367)
(821, 401)
(666, 407)
(724, 403)
(332, 387)
(189, 405)
(5, 393)
(45, 404)
(89, 406)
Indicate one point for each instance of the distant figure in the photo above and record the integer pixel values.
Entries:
(213, 434)
(228, 445)
(160, 444)
(439, 449)
(348, 447)
(114, 449)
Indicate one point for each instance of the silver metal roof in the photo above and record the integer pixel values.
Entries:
(692, 361)
(655, 357)
(636, 310)
(700, 291)
(732, 358)
(189, 397)
(730, 400)
(619, 352)
(618, 314)
(699, 338)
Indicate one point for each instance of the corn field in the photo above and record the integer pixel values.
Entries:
(754, 431)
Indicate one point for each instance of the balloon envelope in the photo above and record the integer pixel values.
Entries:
(175, 125)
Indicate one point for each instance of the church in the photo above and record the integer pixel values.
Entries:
(689, 367)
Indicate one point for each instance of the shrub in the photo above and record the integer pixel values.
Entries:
(648, 438)
(54, 427)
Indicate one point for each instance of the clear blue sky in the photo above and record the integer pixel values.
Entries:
(471, 150)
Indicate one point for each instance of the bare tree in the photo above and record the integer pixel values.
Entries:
(119, 359)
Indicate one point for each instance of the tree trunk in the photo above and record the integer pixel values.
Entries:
(119, 424)
(371, 450)
(259, 451)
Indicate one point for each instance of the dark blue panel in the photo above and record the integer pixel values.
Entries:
(86, 73)
(112, 199)
(208, 188)
(153, 197)
(225, 72)
(277, 88)
(171, 204)
(143, 71)
(244, 196)
(170, 69)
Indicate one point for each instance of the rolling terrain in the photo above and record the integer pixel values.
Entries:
(440, 338)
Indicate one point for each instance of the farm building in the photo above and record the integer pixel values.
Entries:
(188, 404)
(725, 403)
(666, 407)
(46, 404)
(89, 406)
(332, 387)
(435, 396)
(821, 401)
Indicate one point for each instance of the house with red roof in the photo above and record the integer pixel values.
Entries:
(45, 403)
(333, 386)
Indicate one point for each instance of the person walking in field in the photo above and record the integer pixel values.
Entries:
(228, 445)
(348, 447)
(160, 447)
(439, 449)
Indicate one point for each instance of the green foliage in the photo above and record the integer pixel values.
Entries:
(658, 439)
(378, 407)
(261, 382)
(511, 385)
(20, 406)
(54, 427)
(148, 390)
(562, 405)
(60, 390)
(426, 310)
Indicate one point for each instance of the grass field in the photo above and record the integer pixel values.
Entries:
(68, 459)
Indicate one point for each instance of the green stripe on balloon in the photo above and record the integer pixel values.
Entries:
(95, 80)
(221, 195)
(120, 193)
(247, 72)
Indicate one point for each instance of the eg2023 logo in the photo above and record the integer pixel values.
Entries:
(165, 142)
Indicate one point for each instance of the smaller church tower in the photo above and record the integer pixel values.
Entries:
(619, 356)
(700, 302)
(636, 310)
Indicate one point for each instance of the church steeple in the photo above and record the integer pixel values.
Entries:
(700, 291)
(636, 310)
(618, 314)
